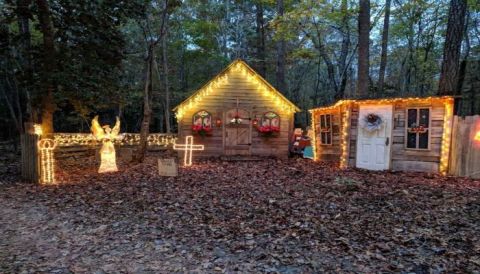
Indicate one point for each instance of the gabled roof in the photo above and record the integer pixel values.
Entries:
(267, 89)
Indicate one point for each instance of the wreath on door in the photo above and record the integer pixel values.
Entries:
(372, 122)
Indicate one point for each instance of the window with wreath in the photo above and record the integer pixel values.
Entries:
(418, 128)
(326, 129)
(269, 123)
(202, 122)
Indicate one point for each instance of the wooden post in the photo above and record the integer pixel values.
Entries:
(465, 150)
(28, 140)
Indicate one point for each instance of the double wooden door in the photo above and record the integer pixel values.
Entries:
(238, 132)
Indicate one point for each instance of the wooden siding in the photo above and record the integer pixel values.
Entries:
(30, 163)
(465, 150)
(249, 98)
(411, 159)
(329, 152)
(401, 157)
(352, 133)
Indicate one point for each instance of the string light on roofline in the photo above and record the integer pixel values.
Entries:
(385, 101)
(250, 76)
(197, 98)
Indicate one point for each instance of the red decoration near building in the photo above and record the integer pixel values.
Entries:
(268, 129)
(255, 122)
(218, 122)
(202, 130)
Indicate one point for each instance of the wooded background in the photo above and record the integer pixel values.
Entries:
(64, 61)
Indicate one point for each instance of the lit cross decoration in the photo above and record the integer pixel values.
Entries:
(47, 167)
(188, 147)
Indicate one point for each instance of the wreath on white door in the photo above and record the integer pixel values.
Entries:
(371, 122)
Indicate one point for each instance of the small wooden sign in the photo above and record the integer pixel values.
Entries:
(126, 154)
(167, 167)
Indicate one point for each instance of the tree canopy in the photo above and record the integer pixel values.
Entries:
(308, 49)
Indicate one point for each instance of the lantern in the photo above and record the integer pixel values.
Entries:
(255, 122)
(218, 122)
(477, 136)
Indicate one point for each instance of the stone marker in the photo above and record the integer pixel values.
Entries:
(167, 167)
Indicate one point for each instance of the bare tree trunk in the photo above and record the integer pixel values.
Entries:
(260, 29)
(148, 90)
(165, 80)
(147, 106)
(383, 58)
(344, 51)
(330, 67)
(281, 49)
(363, 48)
(317, 83)
(166, 84)
(451, 51)
(15, 115)
(427, 48)
(23, 15)
(46, 27)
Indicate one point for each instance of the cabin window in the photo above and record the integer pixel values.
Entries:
(418, 128)
(326, 129)
(202, 119)
(272, 120)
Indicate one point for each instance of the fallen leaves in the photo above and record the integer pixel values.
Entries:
(284, 216)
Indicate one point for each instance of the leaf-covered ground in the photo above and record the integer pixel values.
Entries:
(286, 216)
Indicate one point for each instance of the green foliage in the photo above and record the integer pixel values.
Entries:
(101, 48)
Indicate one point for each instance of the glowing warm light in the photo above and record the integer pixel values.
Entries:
(83, 139)
(47, 165)
(37, 129)
(314, 137)
(447, 133)
(242, 68)
(344, 136)
(108, 161)
(197, 97)
(188, 147)
(477, 136)
(426, 100)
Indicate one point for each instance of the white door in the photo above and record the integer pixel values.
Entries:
(373, 146)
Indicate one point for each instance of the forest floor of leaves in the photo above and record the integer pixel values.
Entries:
(271, 216)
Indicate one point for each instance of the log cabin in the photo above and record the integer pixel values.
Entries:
(237, 113)
(409, 134)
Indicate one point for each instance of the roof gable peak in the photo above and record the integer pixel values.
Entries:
(238, 65)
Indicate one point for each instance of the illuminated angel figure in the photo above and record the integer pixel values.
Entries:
(107, 152)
